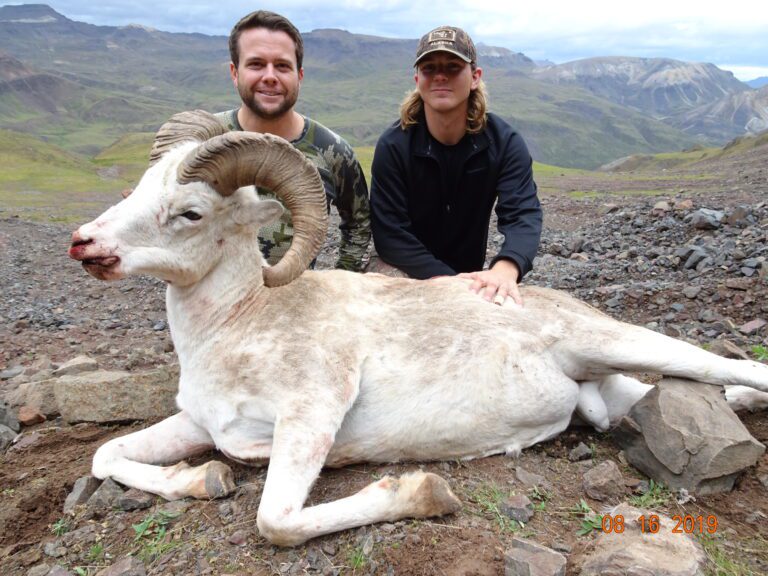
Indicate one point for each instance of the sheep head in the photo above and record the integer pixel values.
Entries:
(191, 199)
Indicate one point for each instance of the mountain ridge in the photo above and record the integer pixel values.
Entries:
(131, 78)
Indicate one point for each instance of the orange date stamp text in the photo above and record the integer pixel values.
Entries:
(650, 524)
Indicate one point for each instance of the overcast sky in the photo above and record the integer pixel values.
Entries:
(731, 34)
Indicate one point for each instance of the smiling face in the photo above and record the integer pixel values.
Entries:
(267, 76)
(444, 82)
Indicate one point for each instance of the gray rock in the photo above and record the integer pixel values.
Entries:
(55, 549)
(706, 219)
(696, 256)
(81, 492)
(526, 558)
(728, 349)
(518, 507)
(238, 538)
(11, 372)
(39, 570)
(127, 566)
(84, 535)
(637, 553)
(38, 395)
(686, 436)
(753, 326)
(532, 480)
(580, 452)
(604, 482)
(105, 497)
(77, 365)
(6, 437)
(106, 397)
(691, 292)
(135, 499)
(8, 417)
(59, 571)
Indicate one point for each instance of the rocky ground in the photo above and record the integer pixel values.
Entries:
(689, 261)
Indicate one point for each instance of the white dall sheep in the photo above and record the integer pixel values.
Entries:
(329, 368)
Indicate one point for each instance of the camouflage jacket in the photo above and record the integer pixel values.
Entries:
(345, 188)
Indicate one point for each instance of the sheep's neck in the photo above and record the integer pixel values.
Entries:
(197, 312)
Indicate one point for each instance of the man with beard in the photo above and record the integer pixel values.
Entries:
(266, 68)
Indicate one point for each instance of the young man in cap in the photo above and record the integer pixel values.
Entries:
(266, 68)
(438, 171)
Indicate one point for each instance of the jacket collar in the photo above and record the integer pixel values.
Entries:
(422, 140)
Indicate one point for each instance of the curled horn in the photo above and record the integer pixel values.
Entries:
(237, 159)
(197, 125)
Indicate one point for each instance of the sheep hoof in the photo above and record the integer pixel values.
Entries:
(219, 480)
(435, 497)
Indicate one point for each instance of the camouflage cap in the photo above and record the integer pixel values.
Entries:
(447, 39)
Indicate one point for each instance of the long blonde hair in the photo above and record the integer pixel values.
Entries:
(412, 106)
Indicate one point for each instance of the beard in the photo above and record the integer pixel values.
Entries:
(250, 100)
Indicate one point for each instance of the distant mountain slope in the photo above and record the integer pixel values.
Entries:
(83, 86)
(749, 152)
(735, 114)
(758, 82)
(658, 86)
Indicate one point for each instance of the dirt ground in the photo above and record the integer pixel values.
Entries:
(118, 325)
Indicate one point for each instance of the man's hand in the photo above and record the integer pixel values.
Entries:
(497, 284)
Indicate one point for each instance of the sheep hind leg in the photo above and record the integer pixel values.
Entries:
(622, 348)
(132, 459)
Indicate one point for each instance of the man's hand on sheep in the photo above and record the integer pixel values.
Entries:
(497, 284)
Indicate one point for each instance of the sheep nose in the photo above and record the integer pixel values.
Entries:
(78, 241)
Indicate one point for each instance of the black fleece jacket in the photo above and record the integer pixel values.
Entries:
(431, 204)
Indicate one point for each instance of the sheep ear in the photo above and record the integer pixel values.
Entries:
(258, 212)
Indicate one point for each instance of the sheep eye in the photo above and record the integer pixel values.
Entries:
(191, 215)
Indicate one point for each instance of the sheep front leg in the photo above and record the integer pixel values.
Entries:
(298, 457)
(131, 460)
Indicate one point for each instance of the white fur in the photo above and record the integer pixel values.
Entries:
(338, 367)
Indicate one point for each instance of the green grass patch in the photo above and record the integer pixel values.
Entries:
(489, 498)
(722, 562)
(657, 495)
(760, 352)
(153, 535)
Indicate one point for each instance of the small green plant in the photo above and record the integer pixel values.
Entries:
(657, 495)
(96, 553)
(80, 571)
(590, 521)
(760, 352)
(60, 527)
(152, 532)
(489, 497)
(356, 558)
(539, 497)
(8, 491)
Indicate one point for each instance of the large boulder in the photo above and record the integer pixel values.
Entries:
(105, 397)
(685, 435)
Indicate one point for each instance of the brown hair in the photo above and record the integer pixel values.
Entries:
(270, 21)
(477, 106)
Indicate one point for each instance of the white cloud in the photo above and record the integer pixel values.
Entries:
(558, 30)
